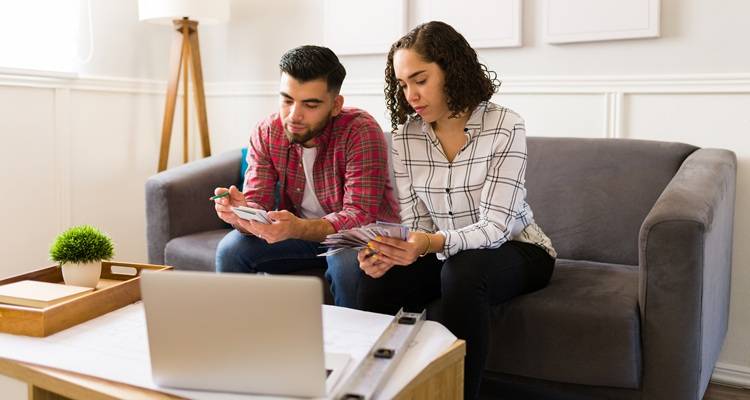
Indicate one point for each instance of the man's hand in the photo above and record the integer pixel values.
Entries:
(224, 205)
(383, 253)
(284, 225)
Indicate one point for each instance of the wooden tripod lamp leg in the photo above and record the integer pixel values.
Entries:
(185, 51)
(185, 108)
(200, 96)
(175, 64)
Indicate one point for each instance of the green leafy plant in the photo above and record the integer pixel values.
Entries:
(81, 244)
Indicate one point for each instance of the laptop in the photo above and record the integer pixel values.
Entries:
(242, 333)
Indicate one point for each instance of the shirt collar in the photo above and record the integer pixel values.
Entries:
(475, 121)
(325, 137)
(472, 128)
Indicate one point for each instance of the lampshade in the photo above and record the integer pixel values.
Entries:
(164, 11)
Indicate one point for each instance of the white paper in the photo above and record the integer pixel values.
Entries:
(115, 347)
(336, 363)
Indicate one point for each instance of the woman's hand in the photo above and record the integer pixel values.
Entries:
(383, 253)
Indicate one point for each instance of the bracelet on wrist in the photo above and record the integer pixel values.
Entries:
(427, 248)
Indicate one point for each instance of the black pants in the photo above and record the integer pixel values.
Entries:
(469, 283)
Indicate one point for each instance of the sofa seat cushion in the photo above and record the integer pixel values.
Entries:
(195, 252)
(583, 328)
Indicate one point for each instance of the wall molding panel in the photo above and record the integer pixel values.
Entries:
(63, 151)
(570, 21)
(504, 16)
(626, 84)
(347, 33)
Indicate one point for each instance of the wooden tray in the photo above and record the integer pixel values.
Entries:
(119, 286)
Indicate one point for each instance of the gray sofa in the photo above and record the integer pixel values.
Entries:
(638, 305)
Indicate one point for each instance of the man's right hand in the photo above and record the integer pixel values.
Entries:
(224, 205)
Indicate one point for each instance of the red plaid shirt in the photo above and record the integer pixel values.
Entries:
(350, 175)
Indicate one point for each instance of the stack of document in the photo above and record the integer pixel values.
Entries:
(357, 238)
(39, 294)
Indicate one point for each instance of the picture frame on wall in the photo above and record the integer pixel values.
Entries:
(484, 23)
(363, 27)
(572, 21)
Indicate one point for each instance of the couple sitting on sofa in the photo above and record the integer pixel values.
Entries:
(459, 163)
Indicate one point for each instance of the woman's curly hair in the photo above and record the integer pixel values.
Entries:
(467, 81)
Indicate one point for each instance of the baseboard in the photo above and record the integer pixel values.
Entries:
(732, 375)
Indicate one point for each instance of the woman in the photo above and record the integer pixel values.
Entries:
(459, 162)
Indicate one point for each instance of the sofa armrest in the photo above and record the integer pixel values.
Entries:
(685, 257)
(177, 200)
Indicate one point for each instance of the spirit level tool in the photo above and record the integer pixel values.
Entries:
(367, 380)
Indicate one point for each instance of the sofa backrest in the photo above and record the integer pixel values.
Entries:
(590, 196)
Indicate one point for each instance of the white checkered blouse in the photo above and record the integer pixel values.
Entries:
(478, 201)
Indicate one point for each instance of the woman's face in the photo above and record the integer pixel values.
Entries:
(422, 83)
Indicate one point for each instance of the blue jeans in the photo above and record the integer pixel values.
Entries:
(243, 253)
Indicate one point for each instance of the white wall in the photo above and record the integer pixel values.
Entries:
(78, 151)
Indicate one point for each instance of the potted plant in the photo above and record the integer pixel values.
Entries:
(80, 250)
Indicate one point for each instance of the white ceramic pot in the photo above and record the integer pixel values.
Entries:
(86, 274)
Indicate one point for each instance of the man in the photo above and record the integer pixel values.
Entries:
(331, 166)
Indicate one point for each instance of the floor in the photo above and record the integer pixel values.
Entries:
(719, 392)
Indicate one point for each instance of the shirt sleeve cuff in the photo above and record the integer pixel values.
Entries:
(446, 246)
(336, 221)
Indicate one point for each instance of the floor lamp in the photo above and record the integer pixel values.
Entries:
(185, 56)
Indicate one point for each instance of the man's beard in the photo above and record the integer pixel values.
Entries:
(311, 133)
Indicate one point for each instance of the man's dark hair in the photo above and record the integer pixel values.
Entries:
(467, 81)
(307, 63)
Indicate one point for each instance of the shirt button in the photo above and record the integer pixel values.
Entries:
(299, 189)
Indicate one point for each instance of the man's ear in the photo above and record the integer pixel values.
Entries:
(338, 103)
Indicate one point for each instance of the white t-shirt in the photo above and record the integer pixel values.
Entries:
(310, 207)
